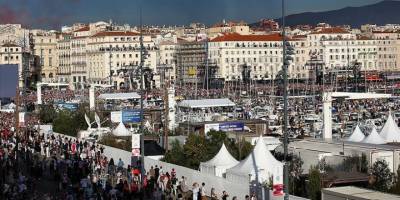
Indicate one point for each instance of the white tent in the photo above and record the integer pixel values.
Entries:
(259, 166)
(10, 106)
(121, 130)
(219, 164)
(374, 138)
(119, 96)
(357, 135)
(390, 132)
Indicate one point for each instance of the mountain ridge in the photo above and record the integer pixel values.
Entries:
(380, 13)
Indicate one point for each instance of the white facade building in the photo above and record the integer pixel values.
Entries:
(45, 48)
(78, 57)
(340, 49)
(263, 53)
(167, 58)
(117, 52)
(12, 54)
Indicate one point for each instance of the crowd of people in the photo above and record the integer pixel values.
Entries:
(31, 162)
(35, 165)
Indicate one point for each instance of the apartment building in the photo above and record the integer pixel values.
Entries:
(262, 54)
(12, 54)
(340, 49)
(45, 48)
(112, 55)
(191, 57)
(64, 58)
(78, 57)
(15, 48)
(168, 59)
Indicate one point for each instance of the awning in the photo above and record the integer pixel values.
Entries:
(206, 103)
(120, 96)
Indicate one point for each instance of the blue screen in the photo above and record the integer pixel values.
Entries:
(8, 80)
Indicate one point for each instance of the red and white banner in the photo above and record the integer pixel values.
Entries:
(136, 152)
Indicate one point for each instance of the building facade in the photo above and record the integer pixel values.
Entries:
(64, 58)
(260, 55)
(113, 55)
(45, 48)
(191, 56)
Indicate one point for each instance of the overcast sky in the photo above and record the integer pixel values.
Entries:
(54, 13)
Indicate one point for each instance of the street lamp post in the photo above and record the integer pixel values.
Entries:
(287, 51)
(285, 102)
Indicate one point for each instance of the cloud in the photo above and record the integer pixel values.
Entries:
(9, 14)
(37, 13)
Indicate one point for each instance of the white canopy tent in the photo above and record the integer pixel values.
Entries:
(206, 103)
(218, 165)
(357, 135)
(119, 96)
(259, 166)
(121, 130)
(374, 138)
(390, 131)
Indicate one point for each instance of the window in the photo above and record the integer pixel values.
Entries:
(49, 51)
(50, 61)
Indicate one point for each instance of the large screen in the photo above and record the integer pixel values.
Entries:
(8, 80)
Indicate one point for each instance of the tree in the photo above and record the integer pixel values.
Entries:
(295, 170)
(47, 114)
(314, 184)
(175, 155)
(195, 151)
(381, 176)
(200, 148)
(70, 123)
(396, 186)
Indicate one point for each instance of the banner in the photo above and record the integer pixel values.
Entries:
(131, 116)
(231, 126)
(116, 116)
(278, 190)
(136, 152)
(68, 106)
(227, 127)
(21, 118)
(209, 127)
(135, 141)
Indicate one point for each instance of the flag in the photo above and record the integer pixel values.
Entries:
(97, 119)
(87, 121)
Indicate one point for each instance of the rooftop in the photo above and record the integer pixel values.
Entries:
(238, 37)
(115, 33)
(9, 45)
(86, 28)
(358, 193)
(332, 30)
